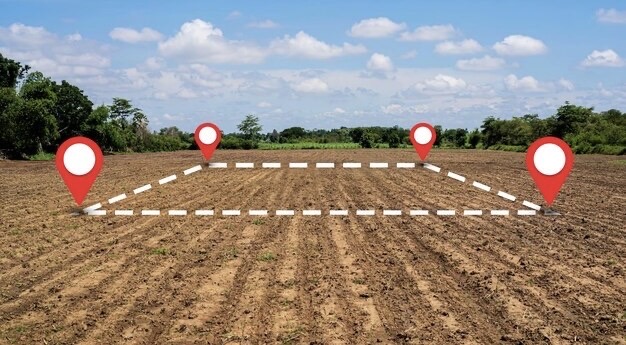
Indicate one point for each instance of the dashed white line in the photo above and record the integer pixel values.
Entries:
(150, 212)
(531, 205)
(418, 212)
(351, 165)
(446, 212)
(271, 165)
(472, 212)
(92, 207)
(231, 212)
(526, 212)
(338, 212)
(456, 176)
(481, 186)
(167, 179)
(405, 165)
(123, 212)
(244, 165)
(257, 212)
(379, 165)
(506, 195)
(177, 212)
(325, 165)
(192, 170)
(499, 212)
(298, 165)
(142, 189)
(365, 212)
(311, 212)
(97, 213)
(218, 165)
(204, 212)
(117, 198)
(285, 212)
(392, 212)
(432, 167)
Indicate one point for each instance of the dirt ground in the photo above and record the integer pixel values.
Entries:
(313, 279)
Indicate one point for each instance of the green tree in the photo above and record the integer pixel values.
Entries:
(250, 128)
(71, 110)
(568, 118)
(11, 72)
(474, 138)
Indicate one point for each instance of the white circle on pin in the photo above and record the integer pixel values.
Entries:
(208, 135)
(79, 159)
(549, 159)
(422, 135)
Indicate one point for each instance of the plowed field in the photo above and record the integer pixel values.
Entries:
(313, 279)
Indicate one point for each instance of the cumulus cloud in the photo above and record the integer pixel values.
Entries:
(429, 33)
(339, 111)
(566, 84)
(307, 46)
(24, 35)
(604, 58)
(376, 28)
(379, 62)
(485, 63)
(441, 84)
(398, 109)
(468, 46)
(264, 104)
(525, 84)
(264, 24)
(74, 37)
(200, 41)
(129, 35)
(520, 45)
(611, 16)
(313, 85)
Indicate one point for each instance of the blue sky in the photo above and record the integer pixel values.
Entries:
(327, 64)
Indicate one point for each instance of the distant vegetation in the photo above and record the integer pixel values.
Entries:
(37, 115)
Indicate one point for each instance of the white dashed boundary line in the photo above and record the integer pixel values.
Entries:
(327, 165)
(358, 212)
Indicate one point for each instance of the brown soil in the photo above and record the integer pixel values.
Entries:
(311, 279)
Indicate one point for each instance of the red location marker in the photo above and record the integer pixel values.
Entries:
(549, 161)
(79, 161)
(423, 137)
(207, 137)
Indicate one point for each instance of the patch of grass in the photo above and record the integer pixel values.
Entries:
(359, 281)
(230, 254)
(620, 161)
(624, 316)
(42, 156)
(291, 336)
(159, 251)
(258, 221)
(267, 256)
(308, 146)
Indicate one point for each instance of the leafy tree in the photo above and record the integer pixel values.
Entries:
(11, 72)
(568, 117)
(274, 136)
(438, 132)
(250, 128)
(474, 138)
(72, 108)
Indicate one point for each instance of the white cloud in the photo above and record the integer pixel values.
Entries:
(527, 83)
(429, 33)
(468, 46)
(264, 24)
(129, 35)
(380, 62)
(409, 55)
(234, 14)
(264, 104)
(441, 84)
(611, 16)
(485, 63)
(200, 41)
(520, 45)
(85, 59)
(307, 46)
(154, 63)
(21, 34)
(398, 109)
(314, 85)
(604, 58)
(375, 28)
(566, 84)
(339, 111)
(74, 37)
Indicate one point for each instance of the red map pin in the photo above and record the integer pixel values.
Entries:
(549, 161)
(79, 161)
(207, 137)
(423, 137)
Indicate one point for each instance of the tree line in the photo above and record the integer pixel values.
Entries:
(37, 114)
